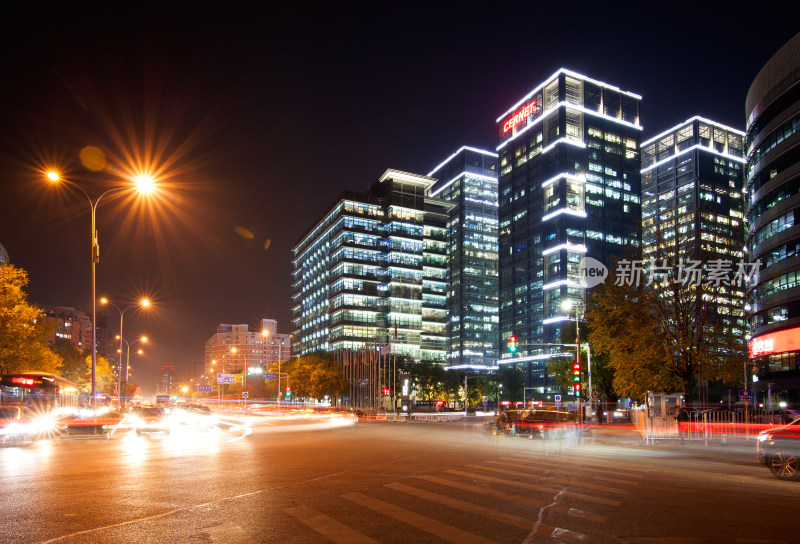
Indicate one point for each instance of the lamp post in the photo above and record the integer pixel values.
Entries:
(143, 184)
(143, 303)
(567, 305)
(142, 340)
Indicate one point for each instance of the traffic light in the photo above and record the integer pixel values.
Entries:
(288, 391)
(576, 376)
(512, 344)
(385, 391)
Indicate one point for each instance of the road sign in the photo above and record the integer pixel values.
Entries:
(204, 388)
(270, 376)
(346, 398)
(226, 378)
(244, 394)
(745, 395)
(558, 400)
(595, 394)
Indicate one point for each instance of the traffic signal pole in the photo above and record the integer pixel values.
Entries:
(578, 360)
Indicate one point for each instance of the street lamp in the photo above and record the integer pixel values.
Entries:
(142, 340)
(143, 184)
(143, 303)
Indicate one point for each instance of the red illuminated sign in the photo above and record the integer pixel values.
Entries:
(523, 113)
(22, 381)
(776, 342)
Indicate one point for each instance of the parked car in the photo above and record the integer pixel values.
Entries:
(779, 450)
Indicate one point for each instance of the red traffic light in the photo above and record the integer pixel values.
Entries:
(577, 387)
(385, 391)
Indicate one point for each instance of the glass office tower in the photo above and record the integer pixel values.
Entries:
(693, 205)
(773, 224)
(468, 180)
(569, 187)
(373, 271)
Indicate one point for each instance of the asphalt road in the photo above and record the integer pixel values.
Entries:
(386, 482)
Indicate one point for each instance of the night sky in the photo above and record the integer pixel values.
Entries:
(256, 119)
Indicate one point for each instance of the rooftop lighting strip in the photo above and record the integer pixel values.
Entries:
(687, 150)
(575, 107)
(406, 176)
(454, 155)
(465, 173)
(474, 367)
(580, 248)
(569, 73)
(576, 213)
(687, 123)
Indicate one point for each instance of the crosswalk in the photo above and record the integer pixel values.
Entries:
(514, 498)
(517, 497)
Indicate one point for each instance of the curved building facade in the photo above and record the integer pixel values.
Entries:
(773, 225)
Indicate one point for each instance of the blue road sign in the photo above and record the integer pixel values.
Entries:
(270, 376)
(226, 378)
(204, 388)
(346, 398)
(244, 394)
(745, 395)
(558, 401)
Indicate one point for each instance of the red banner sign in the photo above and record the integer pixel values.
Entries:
(775, 342)
(22, 381)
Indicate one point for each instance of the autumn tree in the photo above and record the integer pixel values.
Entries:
(23, 329)
(76, 365)
(316, 376)
(663, 336)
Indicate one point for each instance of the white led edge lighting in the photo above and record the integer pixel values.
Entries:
(554, 179)
(462, 148)
(580, 248)
(474, 367)
(557, 319)
(446, 185)
(569, 73)
(559, 283)
(687, 150)
(512, 360)
(576, 213)
(687, 123)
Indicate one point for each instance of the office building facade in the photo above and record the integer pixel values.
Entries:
(468, 180)
(773, 224)
(569, 187)
(373, 271)
(235, 347)
(693, 206)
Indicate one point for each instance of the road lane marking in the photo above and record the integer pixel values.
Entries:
(496, 515)
(548, 490)
(328, 527)
(429, 525)
(573, 512)
(583, 468)
(573, 483)
(547, 468)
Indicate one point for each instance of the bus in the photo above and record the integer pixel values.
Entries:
(42, 390)
(163, 398)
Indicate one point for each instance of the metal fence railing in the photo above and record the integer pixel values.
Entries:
(705, 424)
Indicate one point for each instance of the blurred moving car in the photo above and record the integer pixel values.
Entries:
(198, 415)
(535, 423)
(779, 449)
(16, 426)
(148, 419)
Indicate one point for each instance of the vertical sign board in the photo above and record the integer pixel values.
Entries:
(558, 401)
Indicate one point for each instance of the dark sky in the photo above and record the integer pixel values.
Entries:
(258, 117)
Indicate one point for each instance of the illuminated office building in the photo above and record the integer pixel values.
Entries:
(468, 180)
(235, 347)
(373, 271)
(569, 187)
(773, 224)
(693, 205)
